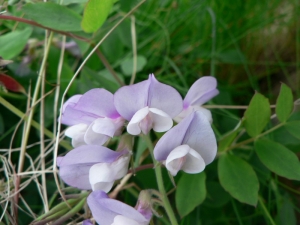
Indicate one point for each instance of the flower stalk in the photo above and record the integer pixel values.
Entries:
(160, 183)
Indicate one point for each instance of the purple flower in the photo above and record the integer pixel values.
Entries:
(92, 116)
(188, 146)
(201, 91)
(108, 211)
(87, 222)
(148, 104)
(93, 167)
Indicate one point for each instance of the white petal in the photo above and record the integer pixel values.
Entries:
(104, 186)
(93, 138)
(134, 125)
(122, 220)
(77, 132)
(104, 126)
(161, 120)
(184, 158)
(101, 175)
(176, 158)
(191, 109)
(184, 113)
(194, 163)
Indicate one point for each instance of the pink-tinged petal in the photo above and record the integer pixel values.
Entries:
(93, 138)
(176, 159)
(105, 209)
(172, 139)
(201, 137)
(161, 120)
(164, 97)
(194, 163)
(99, 102)
(133, 126)
(184, 158)
(77, 132)
(129, 99)
(201, 91)
(103, 175)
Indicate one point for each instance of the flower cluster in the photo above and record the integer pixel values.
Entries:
(98, 115)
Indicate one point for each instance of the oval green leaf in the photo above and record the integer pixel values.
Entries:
(190, 193)
(95, 14)
(278, 159)
(257, 115)
(52, 15)
(284, 103)
(238, 178)
(13, 43)
(127, 65)
(293, 128)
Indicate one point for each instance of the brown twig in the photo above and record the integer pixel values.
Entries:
(33, 23)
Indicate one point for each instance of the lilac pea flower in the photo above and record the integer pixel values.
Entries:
(148, 104)
(93, 167)
(92, 116)
(188, 146)
(201, 91)
(87, 222)
(108, 211)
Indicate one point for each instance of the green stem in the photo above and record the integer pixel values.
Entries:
(160, 184)
(267, 214)
(35, 124)
(254, 138)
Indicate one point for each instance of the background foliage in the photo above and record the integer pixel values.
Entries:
(251, 47)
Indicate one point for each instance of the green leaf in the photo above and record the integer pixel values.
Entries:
(216, 195)
(257, 115)
(228, 138)
(53, 16)
(190, 193)
(293, 128)
(286, 214)
(278, 158)
(127, 65)
(238, 178)
(284, 104)
(13, 43)
(95, 14)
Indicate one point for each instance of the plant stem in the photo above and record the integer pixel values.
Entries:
(254, 138)
(267, 214)
(160, 184)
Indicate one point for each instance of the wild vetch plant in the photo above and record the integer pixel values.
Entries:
(90, 138)
(98, 115)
